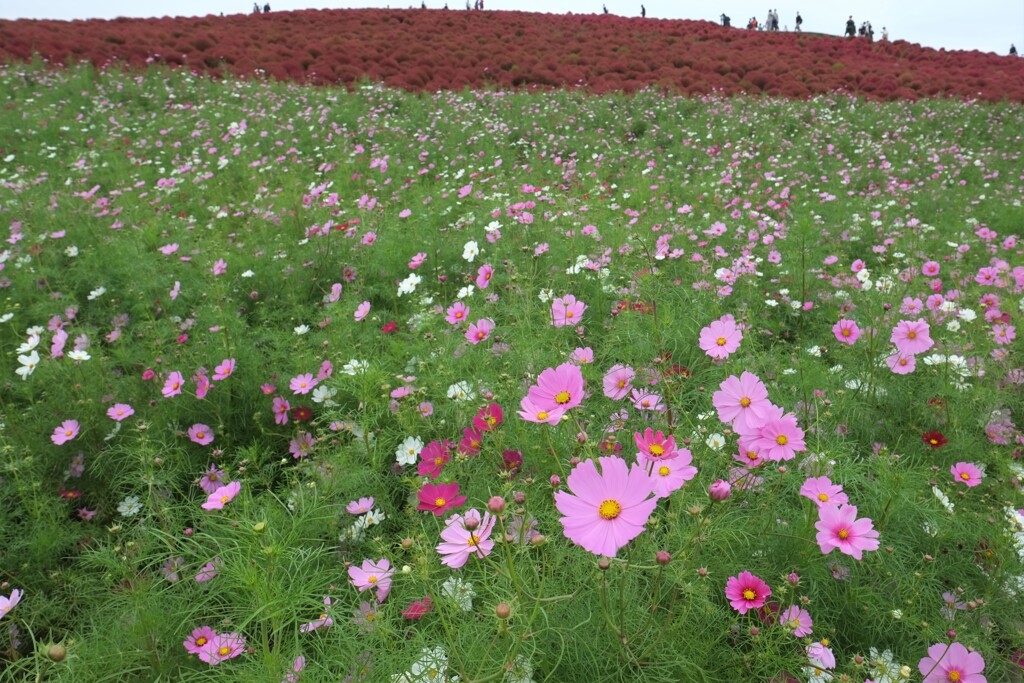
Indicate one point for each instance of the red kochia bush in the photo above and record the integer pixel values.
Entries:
(431, 49)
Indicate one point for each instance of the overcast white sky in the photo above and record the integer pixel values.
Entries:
(987, 25)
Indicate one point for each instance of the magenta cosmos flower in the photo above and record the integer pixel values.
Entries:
(952, 662)
(488, 418)
(566, 311)
(200, 434)
(746, 592)
(557, 388)
(742, 402)
(465, 536)
(67, 431)
(777, 437)
(200, 637)
(433, 458)
(823, 492)
(457, 313)
(479, 331)
(439, 498)
(618, 382)
(721, 338)
(605, 510)
(838, 527)
(966, 473)
(846, 331)
(654, 446)
(373, 576)
(224, 370)
(222, 496)
(912, 337)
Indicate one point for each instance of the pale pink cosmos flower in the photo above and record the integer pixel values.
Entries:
(281, 408)
(466, 535)
(198, 639)
(966, 473)
(567, 311)
(457, 313)
(209, 571)
(212, 479)
(558, 388)
(645, 400)
(202, 384)
(742, 402)
(323, 621)
(335, 294)
(483, 275)
(7, 603)
(952, 662)
(222, 496)
(582, 355)
(605, 510)
(120, 411)
(359, 507)
(533, 413)
(618, 382)
(669, 475)
(721, 338)
(821, 656)
(302, 445)
(200, 434)
(67, 431)
(173, 384)
(912, 337)
(746, 592)
(778, 437)
(220, 267)
(901, 363)
(417, 260)
(479, 331)
(846, 331)
(823, 492)
(222, 647)
(797, 621)
(838, 527)
(303, 384)
(362, 310)
(373, 576)
(224, 370)
(930, 269)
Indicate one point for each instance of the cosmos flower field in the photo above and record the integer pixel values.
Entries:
(316, 384)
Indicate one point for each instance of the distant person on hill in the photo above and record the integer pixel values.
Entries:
(799, 21)
(1013, 49)
(643, 12)
(605, 8)
(885, 34)
(725, 20)
(266, 8)
(851, 28)
(775, 20)
(255, 8)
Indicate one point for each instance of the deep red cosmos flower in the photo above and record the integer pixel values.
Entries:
(934, 439)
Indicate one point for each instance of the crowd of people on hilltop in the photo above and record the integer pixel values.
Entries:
(256, 8)
(771, 23)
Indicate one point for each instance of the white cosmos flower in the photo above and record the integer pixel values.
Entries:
(470, 250)
(28, 364)
(409, 450)
(408, 285)
(97, 293)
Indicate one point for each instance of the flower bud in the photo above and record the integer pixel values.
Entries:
(720, 490)
(496, 504)
(406, 543)
(503, 610)
(538, 539)
(518, 497)
(57, 652)
(555, 480)
(603, 564)
(662, 557)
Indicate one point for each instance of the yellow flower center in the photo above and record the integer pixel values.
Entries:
(657, 449)
(745, 402)
(793, 623)
(568, 314)
(224, 651)
(609, 509)
(562, 397)
(823, 497)
(911, 335)
(622, 383)
(846, 332)
(954, 675)
(200, 435)
(749, 594)
(903, 361)
(843, 534)
(372, 579)
(225, 499)
(781, 439)
(965, 476)
(720, 341)
(201, 640)
(439, 502)
(473, 540)
(664, 471)
(542, 415)
(438, 461)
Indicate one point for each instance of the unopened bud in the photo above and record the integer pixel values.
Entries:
(496, 504)
(662, 557)
(603, 564)
(518, 497)
(406, 543)
(555, 480)
(503, 610)
(57, 653)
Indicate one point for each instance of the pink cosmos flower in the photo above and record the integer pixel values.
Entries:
(952, 662)
(655, 446)
(335, 294)
(209, 571)
(479, 331)
(1003, 334)
(911, 337)
(797, 621)
(199, 638)
(325, 371)
(222, 647)
(281, 408)
(173, 384)
(222, 496)
(220, 267)
(488, 418)
(823, 492)
(67, 431)
(8, 603)
(901, 363)
(838, 527)
(302, 445)
(362, 310)
(721, 338)
(646, 400)
(373, 576)
(742, 402)
(212, 479)
(465, 536)
(567, 311)
(200, 434)
(820, 656)
(483, 275)
(457, 313)
(359, 507)
(669, 475)
(558, 388)
(302, 384)
(966, 473)
(778, 437)
(323, 621)
(417, 260)
(202, 384)
(930, 269)
(471, 441)
(846, 331)
(617, 382)
(746, 592)
(439, 498)
(582, 355)
(720, 490)
(433, 458)
(224, 370)
(605, 511)
(533, 413)
(120, 411)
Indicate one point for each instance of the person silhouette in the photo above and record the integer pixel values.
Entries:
(605, 8)
(643, 12)
(1013, 50)
(799, 21)
(266, 8)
